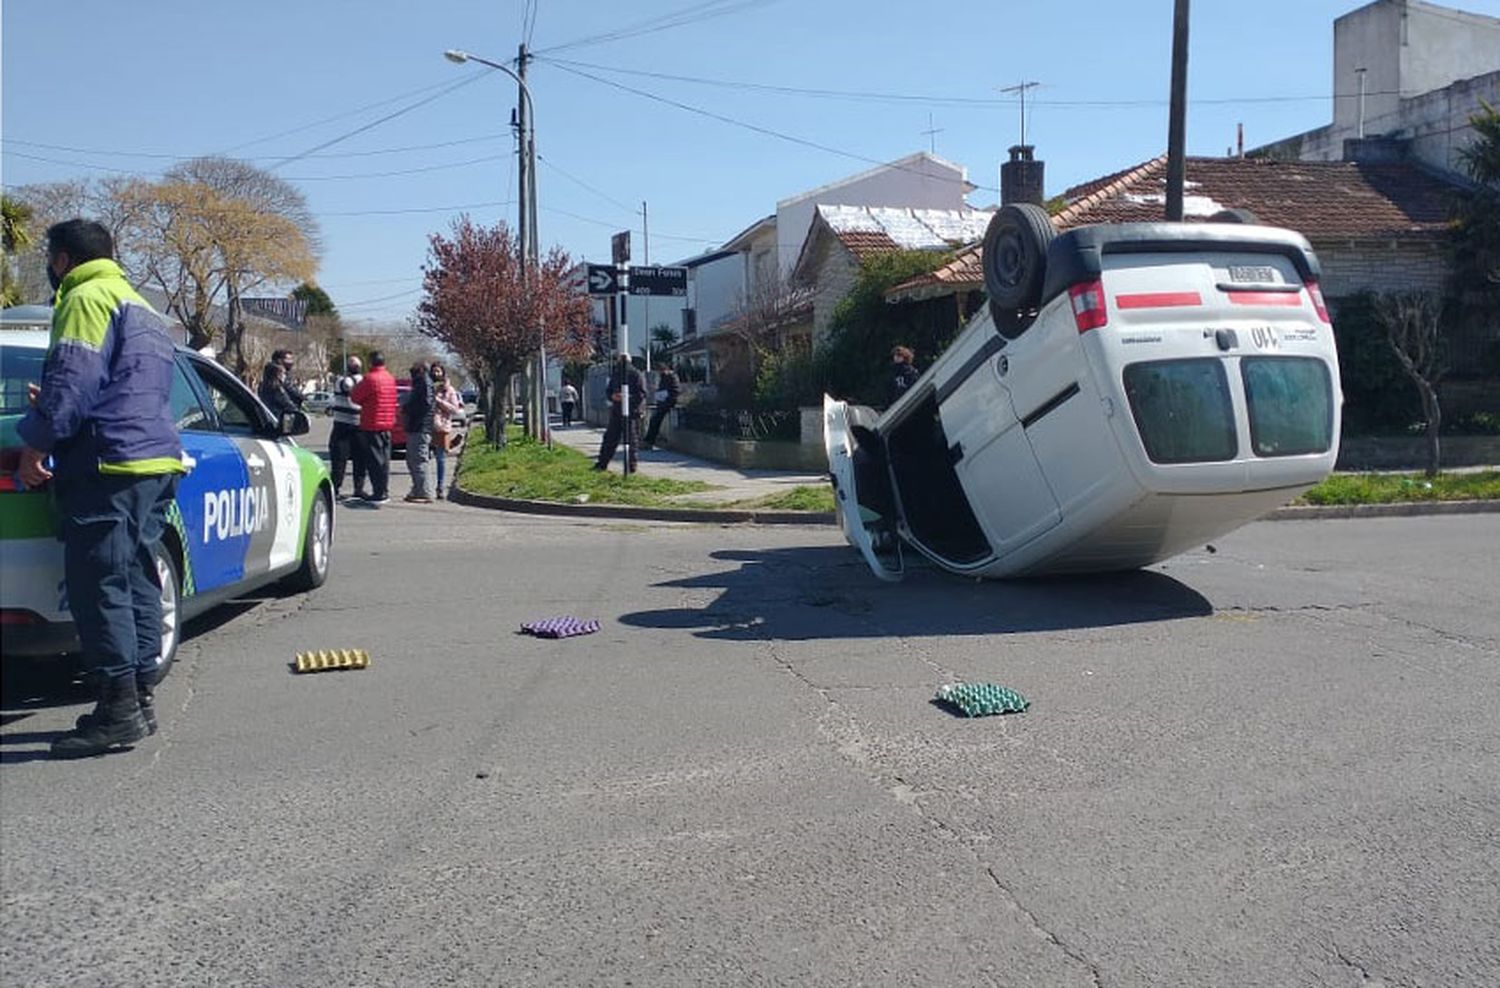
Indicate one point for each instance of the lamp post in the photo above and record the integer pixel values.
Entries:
(525, 207)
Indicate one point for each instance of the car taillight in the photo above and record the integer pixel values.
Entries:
(1316, 294)
(1089, 311)
(19, 617)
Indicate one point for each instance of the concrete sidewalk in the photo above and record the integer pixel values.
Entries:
(730, 483)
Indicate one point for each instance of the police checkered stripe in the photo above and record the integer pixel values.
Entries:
(982, 699)
(565, 626)
(174, 518)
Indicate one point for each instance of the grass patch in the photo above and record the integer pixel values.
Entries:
(527, 470)
(1393, 488)
(802, 498)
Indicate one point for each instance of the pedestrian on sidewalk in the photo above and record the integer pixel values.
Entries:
(621, 426)
(418, 422)
(273, 391)
(568, 398)
(903, 373)
(376, 397)
(667, 390)
(446, 403)
(103, 413)
(343, 441)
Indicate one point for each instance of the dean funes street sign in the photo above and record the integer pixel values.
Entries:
(658, 281)
(603, 280)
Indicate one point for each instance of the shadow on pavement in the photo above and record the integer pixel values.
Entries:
(826, 592)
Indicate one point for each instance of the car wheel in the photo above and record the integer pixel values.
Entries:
(316, 548)
(1015, 262)
(171, 608)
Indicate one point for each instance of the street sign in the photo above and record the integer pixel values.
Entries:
(652, 280)
(619, 247)
(603, 279)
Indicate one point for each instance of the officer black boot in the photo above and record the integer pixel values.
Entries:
(116, 721)
(145, 696)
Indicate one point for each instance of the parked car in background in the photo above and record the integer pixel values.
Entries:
(398, 434)
(254, 508)
(318, 401)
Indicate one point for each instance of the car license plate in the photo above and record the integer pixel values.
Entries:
(1252, 274)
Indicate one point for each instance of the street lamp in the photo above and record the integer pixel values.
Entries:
(526, 208)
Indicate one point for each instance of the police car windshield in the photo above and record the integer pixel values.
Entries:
(19, 366)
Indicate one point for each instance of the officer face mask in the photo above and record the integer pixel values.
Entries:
(53, 278)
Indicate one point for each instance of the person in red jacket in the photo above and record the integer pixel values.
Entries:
(376, 397)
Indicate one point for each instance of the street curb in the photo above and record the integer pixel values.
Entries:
(1406, 509)
(724, 516)
(741, 516)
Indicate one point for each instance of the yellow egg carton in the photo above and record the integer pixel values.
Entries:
(327, 660)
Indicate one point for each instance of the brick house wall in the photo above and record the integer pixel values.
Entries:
(836, 272)
(1355, 266)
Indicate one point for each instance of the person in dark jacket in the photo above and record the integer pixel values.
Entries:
(273, 390)
(418, 421)
(667, 390)
(621, 426)
(288, 379)
(103, 413)
(903, 374)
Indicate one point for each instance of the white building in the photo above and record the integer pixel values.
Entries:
(1422, 69)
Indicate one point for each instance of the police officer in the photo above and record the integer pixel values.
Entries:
(103, 414)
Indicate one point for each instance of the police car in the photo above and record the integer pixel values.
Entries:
(254, 509)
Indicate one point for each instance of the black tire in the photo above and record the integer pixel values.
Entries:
(169, 573)
(1234, 216)
(317, 547)
(1015, 258)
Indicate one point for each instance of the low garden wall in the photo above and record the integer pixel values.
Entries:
(1410, 452)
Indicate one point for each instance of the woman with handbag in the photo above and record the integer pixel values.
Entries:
(446, 403)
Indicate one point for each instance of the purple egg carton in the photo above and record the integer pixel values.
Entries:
(560, 627)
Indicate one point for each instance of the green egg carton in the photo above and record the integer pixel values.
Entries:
(982, 699)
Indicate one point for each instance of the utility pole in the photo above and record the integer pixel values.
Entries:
(1177, 115)
(529, 244)
(646, 247)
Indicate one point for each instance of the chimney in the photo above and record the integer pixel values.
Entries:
(1021, 177)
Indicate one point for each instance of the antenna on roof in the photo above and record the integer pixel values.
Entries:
(931, 133)
(1021, 89)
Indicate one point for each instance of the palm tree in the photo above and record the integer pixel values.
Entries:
(17, 239)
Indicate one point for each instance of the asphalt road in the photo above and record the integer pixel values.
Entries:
(1273, 764)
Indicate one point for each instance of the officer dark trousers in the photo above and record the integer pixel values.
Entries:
(110, 524)
(376, 447)
(343, 449)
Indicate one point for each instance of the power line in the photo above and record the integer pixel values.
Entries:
(339, 116)
(688, 15)
(380, 120)
(163, 155)
(876, 96)
(767, 131)
(422, 209)
(404, 171)
(582, 184)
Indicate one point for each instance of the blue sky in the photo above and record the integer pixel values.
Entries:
(130, 87)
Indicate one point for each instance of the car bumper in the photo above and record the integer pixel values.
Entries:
(39, 640)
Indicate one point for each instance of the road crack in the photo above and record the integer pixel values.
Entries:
(1046, 934)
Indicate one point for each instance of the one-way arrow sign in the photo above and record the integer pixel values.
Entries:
(603, 280)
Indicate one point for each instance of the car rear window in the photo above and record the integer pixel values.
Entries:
(1182, 410)
(19, 366)
(1290, 400)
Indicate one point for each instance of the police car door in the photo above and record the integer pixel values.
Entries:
(210, 561)
(258, 520)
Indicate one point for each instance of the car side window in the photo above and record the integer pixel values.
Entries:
(236, 415)
(187, 410)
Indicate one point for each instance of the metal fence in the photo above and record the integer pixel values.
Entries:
(741, 423)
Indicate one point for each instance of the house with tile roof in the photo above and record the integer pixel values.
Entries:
(841, 238)
(1375, 226)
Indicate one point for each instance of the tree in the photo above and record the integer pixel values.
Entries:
(17, 240)
(46, 203)
(318, 302)
(479, 300)
(1414, 327)
(211, 231)
(662, 338)
(1477, 229)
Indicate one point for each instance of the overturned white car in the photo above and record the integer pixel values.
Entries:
(1131, 391)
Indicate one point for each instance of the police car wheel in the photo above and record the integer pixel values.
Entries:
(171, 608)
(315, 548)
